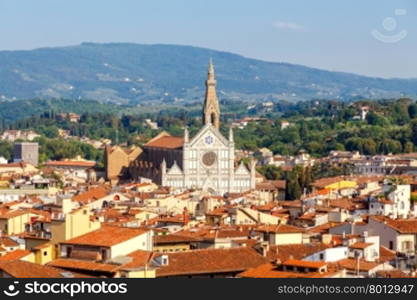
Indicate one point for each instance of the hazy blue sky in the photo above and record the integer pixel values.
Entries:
(329, 34)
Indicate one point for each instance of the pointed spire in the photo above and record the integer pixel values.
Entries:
(211, 110)
(211, 68)
(231, 137)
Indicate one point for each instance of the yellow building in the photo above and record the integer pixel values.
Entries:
(334, 183)
(281, 234)
(71, 225)
(164, 243)
(14, 221)
(44, 253)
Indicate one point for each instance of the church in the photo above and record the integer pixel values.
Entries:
(205, 161)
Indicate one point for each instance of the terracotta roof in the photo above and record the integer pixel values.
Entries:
(385, 254)
(209, 233)
(8, 242)
(392, 274)
(304, 263)
(323, 182)
(83, 265)
(295, 203)
(140, 259)
(296, 251)
(351, 264)
(281, 228)
(407, 226)
(360, 245)
(246, 242)
(23, 269)
(90, 195)
(271, 185)
(173, 239)
(209, 261)
(15, 255)
(219, 211)
(271, 271)
(14, 165)
(323, 228)
(8, 214)
(107, 236)
(70, 163)
(170, 142)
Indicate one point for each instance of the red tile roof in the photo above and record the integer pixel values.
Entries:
(271, 271)
(173, 239)
(8, 242)
(15, 255)
(281, 228)
(360, 245)
(351, 264)
(107, 236)
(140, 259)
(296, 251)
(170, 142)
(304, 263)
(83, 265)
(69, 163)
(406, 226)
(210, 261)
(8, 214)
(91, 195)
(23, 269)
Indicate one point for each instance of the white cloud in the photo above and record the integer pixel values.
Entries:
(288, 26)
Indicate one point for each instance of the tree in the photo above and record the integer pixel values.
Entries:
(413, 125)
(293, 190)
(412, 110)
(408, 147)
(369, 147)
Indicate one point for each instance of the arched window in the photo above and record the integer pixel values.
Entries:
(213, 118)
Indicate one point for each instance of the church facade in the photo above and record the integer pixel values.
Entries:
(205, 161)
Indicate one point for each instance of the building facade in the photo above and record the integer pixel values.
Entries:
(205, 161)
(27, 152)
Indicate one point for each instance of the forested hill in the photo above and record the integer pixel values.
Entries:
(132, 73)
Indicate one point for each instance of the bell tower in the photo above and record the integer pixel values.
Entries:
(211, 110)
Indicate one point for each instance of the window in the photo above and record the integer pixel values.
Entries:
(391, 245)
(45, 253)
(321, 256)
(103, 254)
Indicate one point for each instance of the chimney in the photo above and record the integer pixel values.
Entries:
(265, 248)
(185, 216)
(164, 260)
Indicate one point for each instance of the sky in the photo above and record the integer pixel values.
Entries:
(368, 37)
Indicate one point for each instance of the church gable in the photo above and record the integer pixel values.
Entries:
(208, 136)
(175, 170)
(242, 170)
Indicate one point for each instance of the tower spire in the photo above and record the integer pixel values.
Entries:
(211, 110)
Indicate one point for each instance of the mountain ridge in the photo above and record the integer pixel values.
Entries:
(136, 73)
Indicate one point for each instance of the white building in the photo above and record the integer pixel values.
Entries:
(393, 202)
